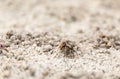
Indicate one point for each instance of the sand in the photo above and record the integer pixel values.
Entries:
(59, 39)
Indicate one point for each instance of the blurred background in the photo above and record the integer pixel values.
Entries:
(58, 15)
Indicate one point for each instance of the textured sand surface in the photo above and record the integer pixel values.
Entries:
(32, 34)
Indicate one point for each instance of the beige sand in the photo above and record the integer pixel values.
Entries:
(31, 31)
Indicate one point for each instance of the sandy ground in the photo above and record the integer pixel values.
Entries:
(60, 39)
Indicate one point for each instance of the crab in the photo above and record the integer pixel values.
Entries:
(66, 48)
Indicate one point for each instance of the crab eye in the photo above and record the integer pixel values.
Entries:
(1, 46)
